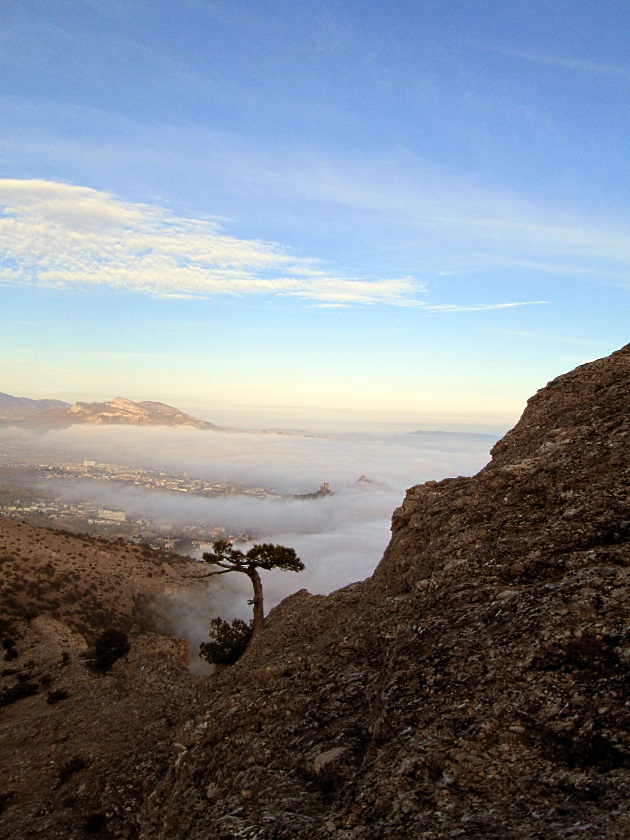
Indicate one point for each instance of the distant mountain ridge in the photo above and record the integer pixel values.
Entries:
(19, 407)
(120, 411)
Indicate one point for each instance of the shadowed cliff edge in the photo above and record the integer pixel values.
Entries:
(475, 686)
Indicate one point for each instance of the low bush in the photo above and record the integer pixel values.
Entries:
(71, 767)
(227, 641)
(109, 647)
(95, 823)
(17, 692)
(5, 798)
(56, 696)
(10, 652)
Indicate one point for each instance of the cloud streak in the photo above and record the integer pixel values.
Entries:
(615, 71)
(483, 307)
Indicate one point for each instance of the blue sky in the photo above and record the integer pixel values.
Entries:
(312, 214)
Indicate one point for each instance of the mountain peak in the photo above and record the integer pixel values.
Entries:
(117, 411)
(122, 402)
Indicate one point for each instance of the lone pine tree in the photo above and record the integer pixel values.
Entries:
(266, 556)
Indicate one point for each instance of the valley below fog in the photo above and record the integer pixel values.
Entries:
(331, 497)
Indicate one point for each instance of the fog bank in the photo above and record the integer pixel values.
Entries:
(340, 537)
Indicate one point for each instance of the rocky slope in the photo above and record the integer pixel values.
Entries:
(476, 686)
(87, 583)
(59, 718)
(82, 750)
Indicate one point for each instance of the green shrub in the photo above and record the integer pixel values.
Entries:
(56, 696)
(17, 692)
(95, 823)
(5, 798)
(8, 646)
(109, 646)
(227, 641)
(71, 767)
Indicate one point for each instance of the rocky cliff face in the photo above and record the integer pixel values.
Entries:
(555, 487)
(475, 686)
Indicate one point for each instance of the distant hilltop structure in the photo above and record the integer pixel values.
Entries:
(324, 490)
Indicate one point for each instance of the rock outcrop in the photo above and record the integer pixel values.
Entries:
(475, 686)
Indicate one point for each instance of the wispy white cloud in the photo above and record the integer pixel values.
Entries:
(61, 235)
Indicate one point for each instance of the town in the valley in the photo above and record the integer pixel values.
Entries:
(28, 492)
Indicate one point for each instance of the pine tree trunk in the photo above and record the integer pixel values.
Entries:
(259, 616)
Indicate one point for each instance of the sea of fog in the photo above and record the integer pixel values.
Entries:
(340, 537)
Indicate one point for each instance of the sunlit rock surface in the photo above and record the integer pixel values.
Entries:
(43, 414)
